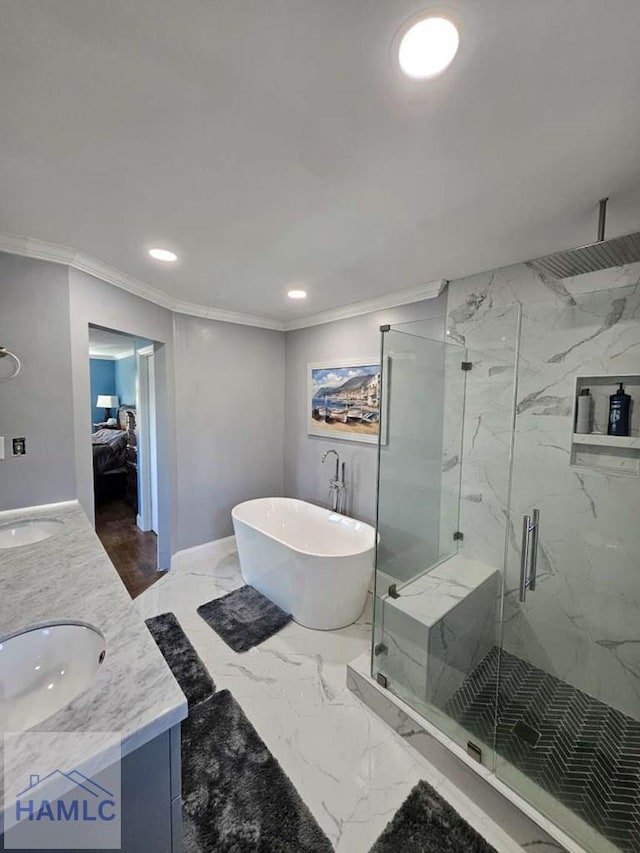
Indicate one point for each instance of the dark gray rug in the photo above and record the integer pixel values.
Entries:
(244, 618)
(189, 671)
(236, 797)
(425, 823)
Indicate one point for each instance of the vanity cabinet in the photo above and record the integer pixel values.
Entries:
(151, 797)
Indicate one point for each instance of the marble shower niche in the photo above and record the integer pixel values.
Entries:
(618, 454)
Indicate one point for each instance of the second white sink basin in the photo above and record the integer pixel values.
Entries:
(42, 669)
(18, 533)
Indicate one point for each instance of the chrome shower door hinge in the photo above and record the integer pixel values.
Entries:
(458, 536)
(382, 680)
(380, 649)
(466, 365)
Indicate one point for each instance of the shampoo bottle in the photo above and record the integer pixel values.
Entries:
(584, 412)
(619, 408)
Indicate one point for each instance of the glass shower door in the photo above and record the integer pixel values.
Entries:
(568, 682)
(435, 612)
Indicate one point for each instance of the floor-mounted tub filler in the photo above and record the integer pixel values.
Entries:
(313, 563)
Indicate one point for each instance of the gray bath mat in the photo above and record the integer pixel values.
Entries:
(236, 797)
(244, 618)
(188, 670)
(425, 823)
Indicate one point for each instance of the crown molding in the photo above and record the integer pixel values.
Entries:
(430, 290)
(225, 316)
(30, 247)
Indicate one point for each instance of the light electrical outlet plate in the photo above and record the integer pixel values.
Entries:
(1, 447)
(19, 446)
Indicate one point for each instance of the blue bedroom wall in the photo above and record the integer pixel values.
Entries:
(103, 381)
(125, 378)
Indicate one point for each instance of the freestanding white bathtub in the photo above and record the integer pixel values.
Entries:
(311, 562)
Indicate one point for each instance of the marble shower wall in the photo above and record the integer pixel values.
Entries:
(479, 447)
(582, 623)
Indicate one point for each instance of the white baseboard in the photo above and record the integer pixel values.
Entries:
(208, 550)
(140, 526)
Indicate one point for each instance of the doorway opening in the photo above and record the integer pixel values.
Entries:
(125, 458)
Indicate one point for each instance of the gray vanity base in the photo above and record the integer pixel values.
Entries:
(151, 797)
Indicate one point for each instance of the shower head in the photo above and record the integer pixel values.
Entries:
(601, 255)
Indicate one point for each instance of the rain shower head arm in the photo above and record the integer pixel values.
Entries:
(602, 218)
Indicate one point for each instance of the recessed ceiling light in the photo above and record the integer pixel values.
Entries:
(297, 294)
(163, 255)
(428, 47)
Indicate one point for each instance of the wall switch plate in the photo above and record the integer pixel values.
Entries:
(19, 446)
(1, 447)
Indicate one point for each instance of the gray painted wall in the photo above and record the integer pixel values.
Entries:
(229, 414)
(37, 404)
(359, 337)
(96, 302)
(227, 404)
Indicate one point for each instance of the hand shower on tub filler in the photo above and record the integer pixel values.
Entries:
(337, 485)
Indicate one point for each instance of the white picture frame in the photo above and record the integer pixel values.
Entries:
(343, 399)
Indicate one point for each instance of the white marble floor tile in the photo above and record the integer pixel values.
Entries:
(350, 768)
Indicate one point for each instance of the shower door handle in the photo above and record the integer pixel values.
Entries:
(529, 553)
(533, 560)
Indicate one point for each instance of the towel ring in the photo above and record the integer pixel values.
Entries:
(4, 352)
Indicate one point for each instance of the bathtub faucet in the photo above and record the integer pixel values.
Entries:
(337, 484)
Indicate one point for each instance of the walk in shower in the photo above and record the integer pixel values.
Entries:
(507, 596)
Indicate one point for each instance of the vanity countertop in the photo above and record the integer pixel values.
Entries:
(70, 577)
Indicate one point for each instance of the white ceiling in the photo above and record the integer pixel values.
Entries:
(273, 144)
(111, 345)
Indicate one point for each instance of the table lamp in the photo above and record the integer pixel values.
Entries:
(107, 402)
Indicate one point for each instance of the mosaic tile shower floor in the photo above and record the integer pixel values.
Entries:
(580, 750)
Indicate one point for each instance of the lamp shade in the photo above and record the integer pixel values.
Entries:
(106, 401)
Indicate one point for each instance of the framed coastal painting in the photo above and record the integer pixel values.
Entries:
(343, 399)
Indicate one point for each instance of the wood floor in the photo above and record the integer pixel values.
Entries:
(132, 552)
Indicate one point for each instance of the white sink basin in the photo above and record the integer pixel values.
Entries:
(42, 669)
(20, 533)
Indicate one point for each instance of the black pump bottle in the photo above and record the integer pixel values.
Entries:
(619, 408)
